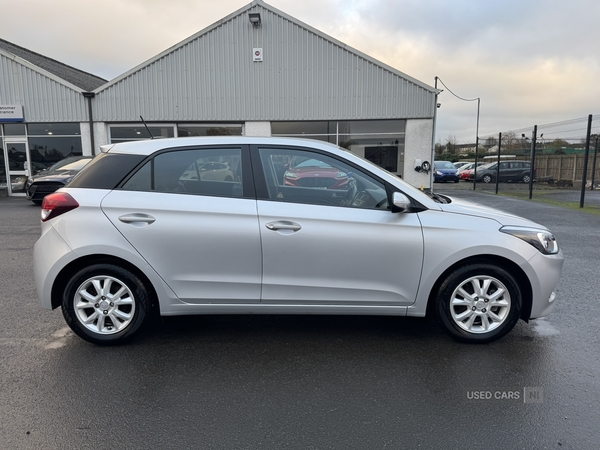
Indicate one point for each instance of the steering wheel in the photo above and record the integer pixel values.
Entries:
(350, 194)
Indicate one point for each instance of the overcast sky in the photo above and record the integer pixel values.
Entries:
(530, 61)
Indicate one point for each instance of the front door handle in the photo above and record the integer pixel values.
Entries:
(283, 225)
(137, 218)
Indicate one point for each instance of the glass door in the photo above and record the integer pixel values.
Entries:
(16, 160)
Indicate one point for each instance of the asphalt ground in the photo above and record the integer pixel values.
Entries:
(564, 197)
(276, 382)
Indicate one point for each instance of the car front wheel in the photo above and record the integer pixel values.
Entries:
(478, 303)
(105, 304)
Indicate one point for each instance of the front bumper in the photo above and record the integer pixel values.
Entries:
(544, 274)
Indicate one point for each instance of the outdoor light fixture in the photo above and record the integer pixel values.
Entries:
(254, 19)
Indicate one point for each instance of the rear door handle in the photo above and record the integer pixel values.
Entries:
(137, 218)
(283, 225)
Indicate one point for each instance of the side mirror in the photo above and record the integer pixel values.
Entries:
(401, 202)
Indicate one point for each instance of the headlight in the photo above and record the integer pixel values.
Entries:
(290, 174)
(342, 174)
(437, 172)
(543, 240)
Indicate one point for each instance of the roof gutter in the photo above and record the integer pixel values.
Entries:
(90, 96)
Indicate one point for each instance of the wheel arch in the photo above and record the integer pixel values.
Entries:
(508, 265)
(73, 267)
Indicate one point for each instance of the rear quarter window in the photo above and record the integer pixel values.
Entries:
(106, 171)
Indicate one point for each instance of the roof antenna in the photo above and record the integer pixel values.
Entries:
(148, 129)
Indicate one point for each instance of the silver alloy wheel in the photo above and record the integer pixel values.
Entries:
(480, 304)
(104, 305)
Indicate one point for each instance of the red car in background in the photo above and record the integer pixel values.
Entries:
(464, 173)
(313, 173)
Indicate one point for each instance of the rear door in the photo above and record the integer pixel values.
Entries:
(200, 235)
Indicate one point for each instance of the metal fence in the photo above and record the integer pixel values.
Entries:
(560, 155)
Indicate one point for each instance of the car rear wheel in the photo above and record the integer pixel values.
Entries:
(105, 304)
(478, 303)
(526, 178)
(487, 178)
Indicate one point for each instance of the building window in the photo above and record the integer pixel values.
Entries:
(51, 142)
(185, 130)
(14, 129)
(126, 133)
(380, 141)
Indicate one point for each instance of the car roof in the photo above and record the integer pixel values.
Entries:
(147, 147)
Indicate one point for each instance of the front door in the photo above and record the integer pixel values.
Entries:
(328, 237)
(16, 160)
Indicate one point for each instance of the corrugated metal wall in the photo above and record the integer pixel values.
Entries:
(43, 99)
(303, 77)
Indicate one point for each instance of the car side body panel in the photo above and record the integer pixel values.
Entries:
(87, 230)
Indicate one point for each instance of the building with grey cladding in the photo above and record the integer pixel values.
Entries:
(277, 76)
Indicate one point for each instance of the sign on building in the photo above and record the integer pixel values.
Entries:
(11, 113)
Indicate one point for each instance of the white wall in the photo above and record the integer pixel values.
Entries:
(417, 145)
(100, 136)
(86, 146)
(258, 129)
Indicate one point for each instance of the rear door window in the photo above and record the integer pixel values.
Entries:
(215, 172)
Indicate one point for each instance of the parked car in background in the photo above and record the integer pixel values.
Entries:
(444, 171)
(510, 171)
(464, 173)
(125, 240)
(54, 177)
(460, 164)
(310, 172)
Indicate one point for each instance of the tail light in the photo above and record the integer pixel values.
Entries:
(56, 204)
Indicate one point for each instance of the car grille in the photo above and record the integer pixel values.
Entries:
(317, 182)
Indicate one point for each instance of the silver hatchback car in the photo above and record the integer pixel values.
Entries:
(141, 231)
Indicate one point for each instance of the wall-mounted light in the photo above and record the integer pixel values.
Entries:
(255, 19)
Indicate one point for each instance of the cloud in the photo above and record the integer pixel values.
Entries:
(530, 61)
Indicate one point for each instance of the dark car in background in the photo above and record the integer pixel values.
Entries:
(511, 171)
(444, 171)
(54, 177)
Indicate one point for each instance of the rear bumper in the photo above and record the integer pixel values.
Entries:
(47, 263)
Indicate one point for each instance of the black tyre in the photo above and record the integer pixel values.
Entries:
(105, 304)
(487, 178)
(478, 303)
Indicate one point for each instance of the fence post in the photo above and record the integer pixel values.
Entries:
(498, 164)
(594, 164)
(585, 160)
(532, 168)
